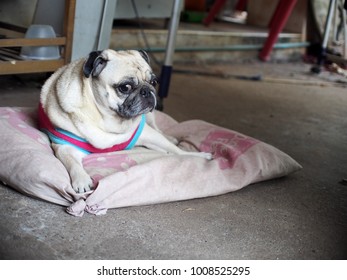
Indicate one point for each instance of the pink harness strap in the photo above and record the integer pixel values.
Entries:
(61, 136)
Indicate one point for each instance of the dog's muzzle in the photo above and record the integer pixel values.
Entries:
(148, 93)
(142, 102)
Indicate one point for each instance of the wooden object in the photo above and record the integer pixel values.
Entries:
(10, 63)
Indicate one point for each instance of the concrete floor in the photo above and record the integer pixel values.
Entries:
(302, 216)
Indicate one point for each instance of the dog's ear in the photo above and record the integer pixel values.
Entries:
(94, 64)
(145, 55)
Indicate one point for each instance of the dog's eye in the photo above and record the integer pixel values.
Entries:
(126, 88)
(154, 82)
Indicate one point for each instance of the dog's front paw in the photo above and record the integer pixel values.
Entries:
(82, 184)
(207, 156)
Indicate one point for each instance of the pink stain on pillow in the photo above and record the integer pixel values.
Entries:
(99, 166)
(226, 146)
(23, 122)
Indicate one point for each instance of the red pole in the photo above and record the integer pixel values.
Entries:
(282, 16)
(218, 4)
(240, 5)
(278, 11)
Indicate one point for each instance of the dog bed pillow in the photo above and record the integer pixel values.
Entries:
(138, 176)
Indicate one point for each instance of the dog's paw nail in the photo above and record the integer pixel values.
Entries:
(82, 185)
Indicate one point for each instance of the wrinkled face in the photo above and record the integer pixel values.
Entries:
(122, 82)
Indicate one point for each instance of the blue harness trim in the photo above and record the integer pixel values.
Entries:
(58, 140)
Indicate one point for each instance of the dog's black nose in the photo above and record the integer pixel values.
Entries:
(145, 92)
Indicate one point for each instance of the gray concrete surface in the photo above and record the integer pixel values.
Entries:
(302, 216)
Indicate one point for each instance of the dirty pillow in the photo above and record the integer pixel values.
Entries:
(138, 176)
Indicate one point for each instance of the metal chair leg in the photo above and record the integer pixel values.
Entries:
(166, 70)
(322, 56)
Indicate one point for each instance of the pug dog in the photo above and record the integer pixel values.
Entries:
(102, 103)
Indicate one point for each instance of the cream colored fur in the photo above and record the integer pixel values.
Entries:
(82, 105)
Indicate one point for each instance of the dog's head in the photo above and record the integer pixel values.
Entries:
(122, 81)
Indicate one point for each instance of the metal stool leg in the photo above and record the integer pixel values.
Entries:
(321, 59)
(166, 70)
(344, 20)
